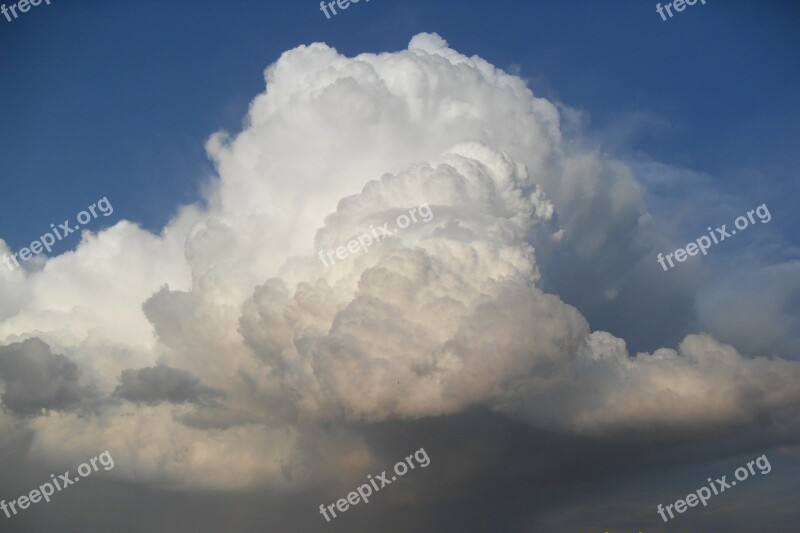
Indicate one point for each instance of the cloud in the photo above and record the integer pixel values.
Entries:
(769, 323)
(491, 305)
(36, 379)
(162, 384)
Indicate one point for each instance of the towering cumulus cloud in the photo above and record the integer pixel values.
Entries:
(220, 353)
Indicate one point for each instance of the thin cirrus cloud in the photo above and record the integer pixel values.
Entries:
(236, 340)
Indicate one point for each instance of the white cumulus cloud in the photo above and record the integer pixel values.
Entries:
(232, 348)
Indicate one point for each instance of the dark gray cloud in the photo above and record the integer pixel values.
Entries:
(162, 383)
(37, 379)
(487, 473)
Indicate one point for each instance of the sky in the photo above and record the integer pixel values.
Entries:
(241, 319)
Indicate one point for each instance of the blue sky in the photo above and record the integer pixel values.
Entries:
(117, 98)
(559, 378)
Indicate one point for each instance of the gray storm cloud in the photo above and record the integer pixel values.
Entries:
(161, 383)
(445, 315)
(35, 379)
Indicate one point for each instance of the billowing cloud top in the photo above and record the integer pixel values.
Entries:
(224, 347)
